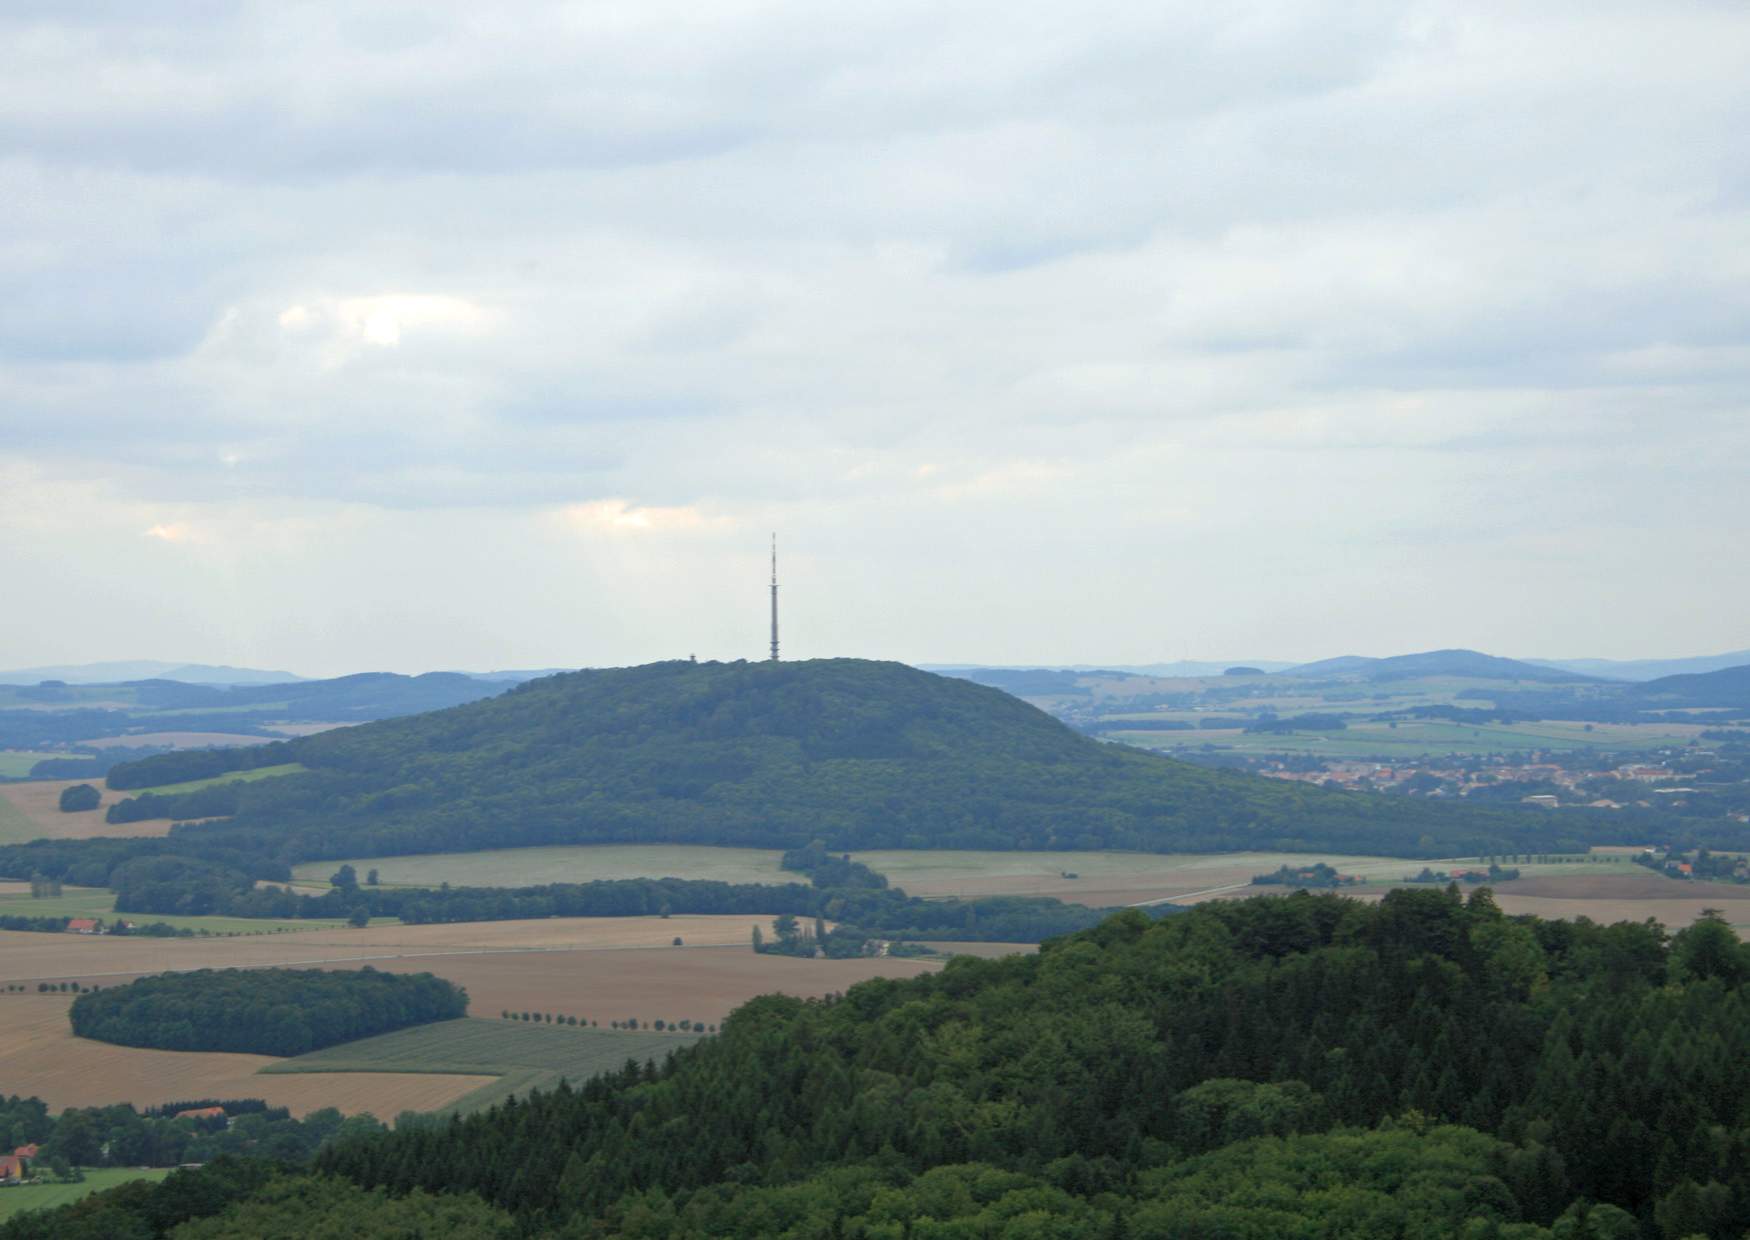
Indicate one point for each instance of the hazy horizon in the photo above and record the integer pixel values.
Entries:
(445, 336)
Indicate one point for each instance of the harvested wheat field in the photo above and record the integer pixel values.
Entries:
(668, 984)
(38, 804)
(1602, 898)
(1640, 885)
(44, 1058)
(1673, 914)
(27, 957)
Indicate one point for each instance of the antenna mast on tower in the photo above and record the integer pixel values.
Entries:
(774, 597)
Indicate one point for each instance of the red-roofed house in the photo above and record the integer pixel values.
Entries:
(12, 1169)
(26, 1151)
(201, 1113)
(84, 925)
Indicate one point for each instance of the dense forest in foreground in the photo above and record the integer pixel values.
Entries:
(1286, 1066)
(856, 753)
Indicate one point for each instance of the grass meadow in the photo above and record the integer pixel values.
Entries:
(573, 863)
(522, 1056)
(21, 1197)
(16, 763)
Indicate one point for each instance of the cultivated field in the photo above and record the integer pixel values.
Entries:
(177, 740)
(32, 811)
(669, 983)
(16, 763)
(581, 863)
(17, 1199)
(16, 901)
(593, 968)
(522, 1056)
(29, 957)
(44, 1058)
(1415, 738)
(1603, 894)
(1105, 879)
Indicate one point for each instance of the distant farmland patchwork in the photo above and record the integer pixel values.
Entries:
(604, 969)
(1411, 738)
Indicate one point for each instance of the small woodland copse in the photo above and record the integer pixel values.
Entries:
(263, 1011)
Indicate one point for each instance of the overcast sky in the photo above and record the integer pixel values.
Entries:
(496, 335)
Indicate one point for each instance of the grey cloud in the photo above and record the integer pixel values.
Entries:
(1060, 290)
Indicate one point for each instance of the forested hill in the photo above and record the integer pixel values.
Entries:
(858, 754)
(1730, 686)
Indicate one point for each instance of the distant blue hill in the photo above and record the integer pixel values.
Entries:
(122, 671)
(1469, 663)
(1729, 686)
(1649, 669)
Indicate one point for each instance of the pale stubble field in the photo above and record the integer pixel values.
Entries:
(594, 968)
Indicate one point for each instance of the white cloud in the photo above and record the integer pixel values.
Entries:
(617, 516)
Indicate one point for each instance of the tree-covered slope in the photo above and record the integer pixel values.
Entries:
(1304, 1066)
(1729, 686)
(854, 753)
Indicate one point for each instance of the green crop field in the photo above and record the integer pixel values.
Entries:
(97, 902)
(20, 1197)
(16, 763)
(246, 708)
(579, 863)
(522, 1056)
(237, 777)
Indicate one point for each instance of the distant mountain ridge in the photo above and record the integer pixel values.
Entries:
(1649, 669)
(1182, 667)
(1435, 663)
(123, 671)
